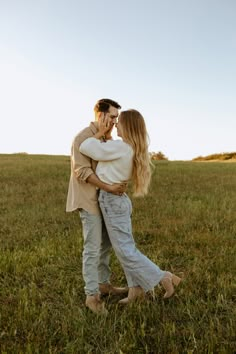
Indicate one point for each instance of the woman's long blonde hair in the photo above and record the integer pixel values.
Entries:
(134, 133)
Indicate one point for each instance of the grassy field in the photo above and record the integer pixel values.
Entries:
(187, 224)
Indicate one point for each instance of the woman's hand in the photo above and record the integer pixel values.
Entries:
(117, 188)
(104, 126)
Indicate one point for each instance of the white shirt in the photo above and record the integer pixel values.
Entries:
(115, 159)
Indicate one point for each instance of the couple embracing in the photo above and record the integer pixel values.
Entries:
(100, 170)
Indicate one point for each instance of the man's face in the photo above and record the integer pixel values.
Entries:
(112, 116)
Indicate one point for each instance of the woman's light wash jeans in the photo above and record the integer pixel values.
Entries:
(96, 252)
(139, 270)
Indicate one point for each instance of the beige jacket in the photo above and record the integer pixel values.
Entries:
(80, 193)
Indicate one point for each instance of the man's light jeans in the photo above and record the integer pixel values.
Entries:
(96, 252)
(139, 270)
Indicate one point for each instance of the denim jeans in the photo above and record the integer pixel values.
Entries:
(96, 252)
(139, 270)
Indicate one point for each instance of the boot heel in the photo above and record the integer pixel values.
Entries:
(168, 283)
(176, 280)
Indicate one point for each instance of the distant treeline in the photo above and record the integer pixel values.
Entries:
(158, 156)
(225, 156)
(221, 157)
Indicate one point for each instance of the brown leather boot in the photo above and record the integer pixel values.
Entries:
(136, 293)
(94, 303)
(108, 289)
(168, 282)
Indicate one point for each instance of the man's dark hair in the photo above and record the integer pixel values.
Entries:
(104, 104)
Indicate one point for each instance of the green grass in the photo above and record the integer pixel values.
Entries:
(187, 224)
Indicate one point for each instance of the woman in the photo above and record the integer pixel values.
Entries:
(120, 161)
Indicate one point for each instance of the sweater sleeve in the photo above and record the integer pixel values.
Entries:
(103, 151)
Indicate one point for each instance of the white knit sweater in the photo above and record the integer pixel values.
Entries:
(115, 159)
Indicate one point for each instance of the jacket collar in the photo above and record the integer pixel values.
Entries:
(94, 127)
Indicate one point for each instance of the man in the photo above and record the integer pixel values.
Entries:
(83, 196)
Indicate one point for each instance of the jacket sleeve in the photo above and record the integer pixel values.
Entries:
(102, 151)
(81, 164)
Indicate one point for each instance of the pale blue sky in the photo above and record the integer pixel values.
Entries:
(173, 60)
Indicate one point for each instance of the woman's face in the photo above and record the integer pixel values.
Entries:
(119, 128)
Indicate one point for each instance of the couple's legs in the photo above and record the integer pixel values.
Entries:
(96, 252)
(139, 270)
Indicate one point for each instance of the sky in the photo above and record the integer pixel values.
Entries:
(172, 60)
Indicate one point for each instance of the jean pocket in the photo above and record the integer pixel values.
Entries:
(117, 206)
